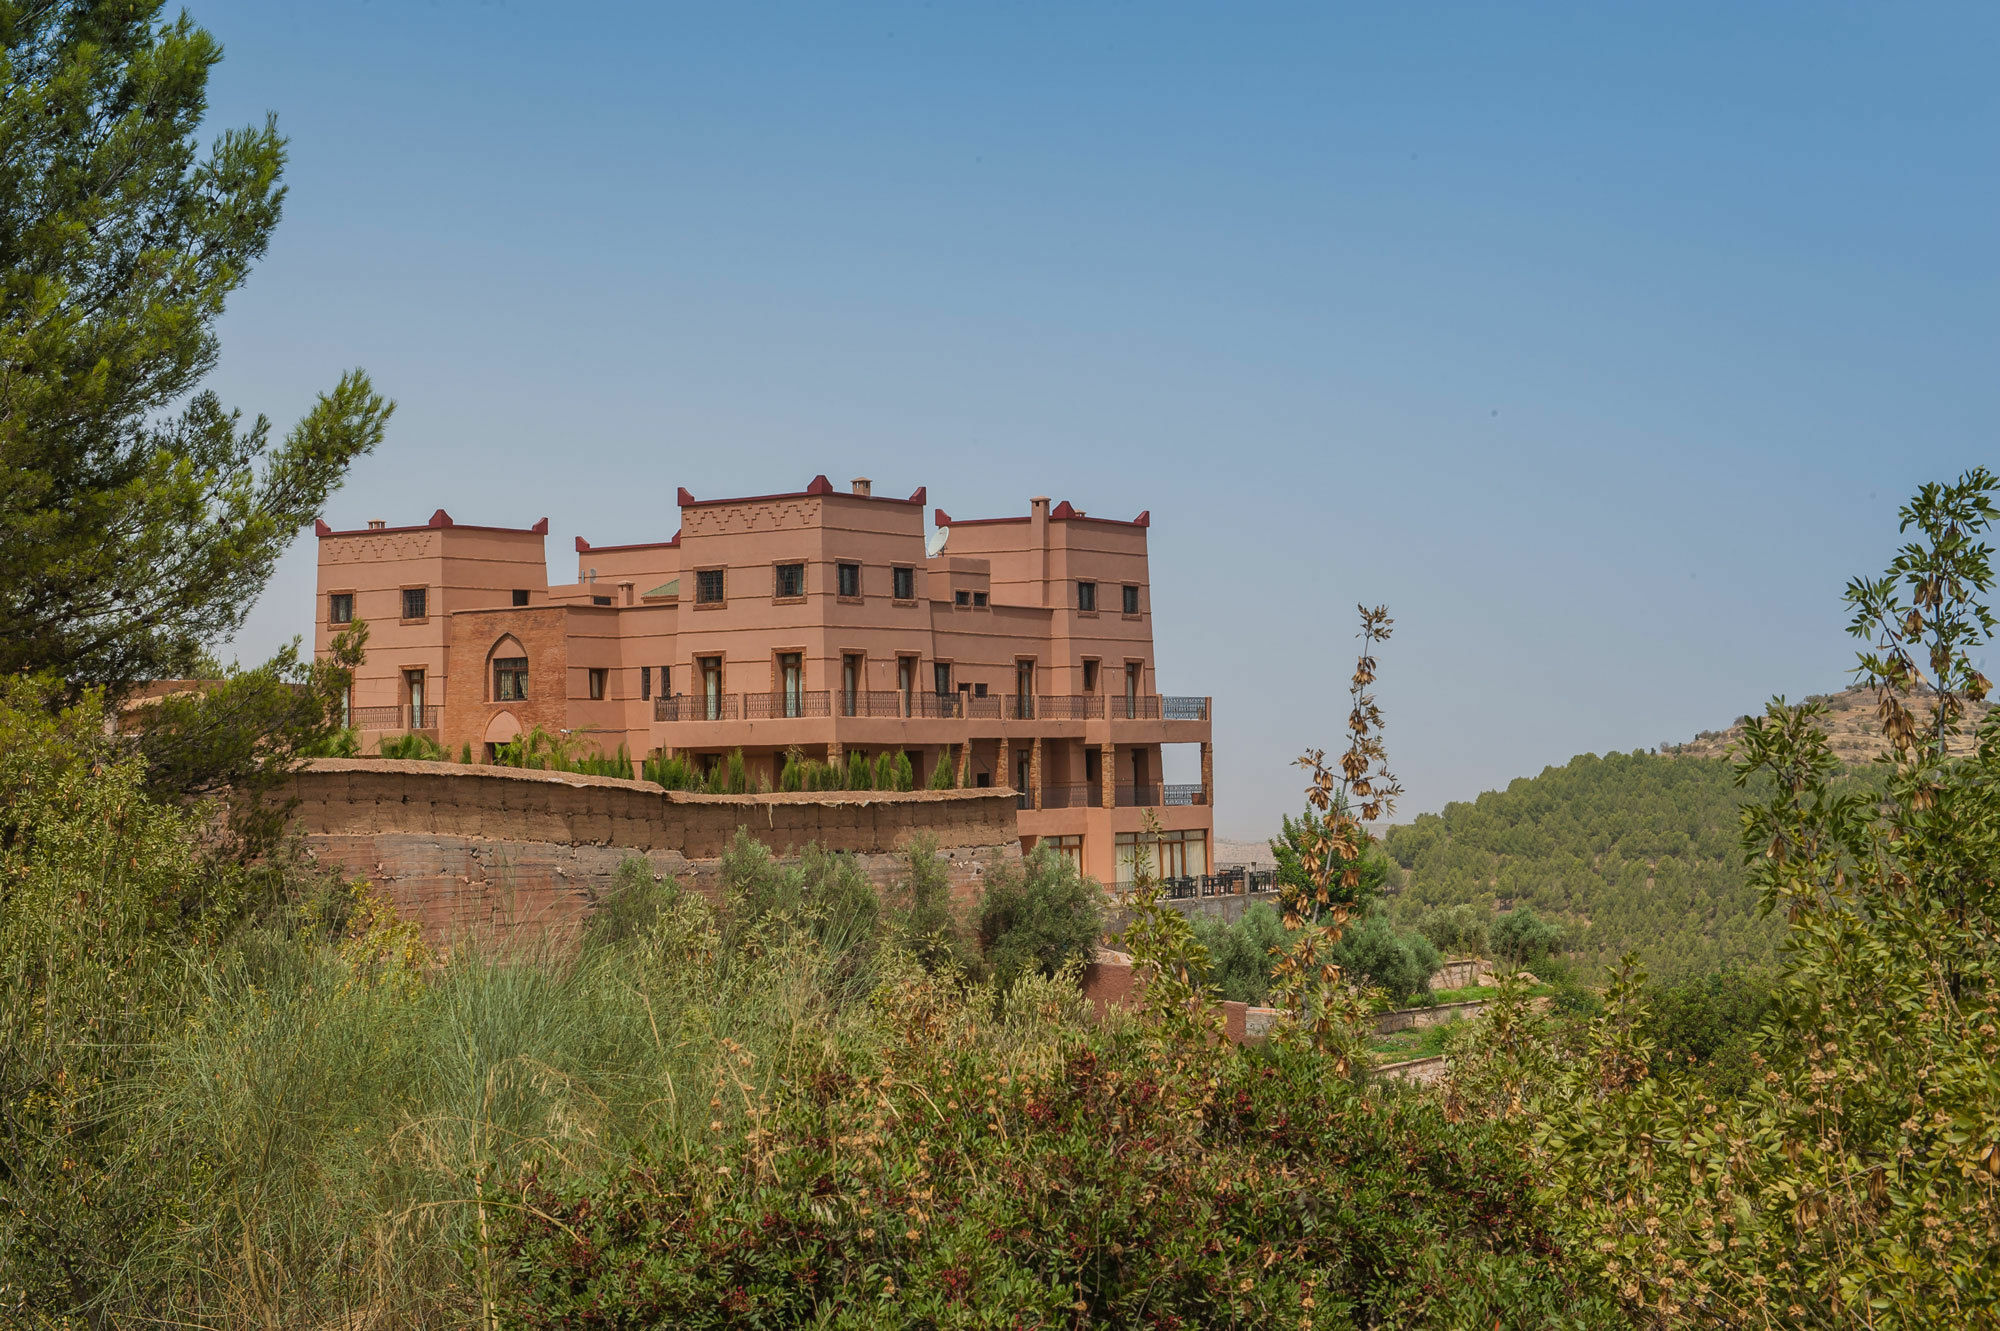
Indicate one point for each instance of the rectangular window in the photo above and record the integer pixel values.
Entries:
(413, 686)
(1131, 600)
(711, 686)
(905, 584)
(645, 683)
(520, 596)
(340, 608)
(1066, 847)
(666, 683)
(791, 679)
(906, 682)
(979, 690)
(708, 586)
(978, 599)
(791, 580)
(941, 677)
(416, 603)
(1086, 596)
(1090, 676)
(850, 683)
(598, 679)
(850, 579)
(510, 678)
(962, 598)
(600, 600)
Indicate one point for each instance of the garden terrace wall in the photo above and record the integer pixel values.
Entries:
(464, 847)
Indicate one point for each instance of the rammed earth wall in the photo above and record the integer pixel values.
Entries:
(465, 847)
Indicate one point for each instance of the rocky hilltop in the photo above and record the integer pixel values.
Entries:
(1851, 726)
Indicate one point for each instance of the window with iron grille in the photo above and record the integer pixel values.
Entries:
(598, 680)
(416, 602)
(850, 579)
(645, 683)
(1131, 600)
(510, 678)
(962, 598)
(520, 596)
(978, 599)
(941, 674)
(707, 586)
(1086, 596)
(600, 600)
(905, 584)
(791, 580)
(340, 608)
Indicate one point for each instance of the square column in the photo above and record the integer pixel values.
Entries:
(1035, 773)
(1208, 773)
(1107, 768)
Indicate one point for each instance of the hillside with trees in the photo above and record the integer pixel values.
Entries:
(1628, 852)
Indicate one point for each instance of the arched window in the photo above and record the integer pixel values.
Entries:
(510, 669)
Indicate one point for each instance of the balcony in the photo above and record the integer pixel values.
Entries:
(400, 717)
(1069, 795)
(695, 707)
(792, 703)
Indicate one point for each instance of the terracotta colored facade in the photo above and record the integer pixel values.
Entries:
(1022, 652)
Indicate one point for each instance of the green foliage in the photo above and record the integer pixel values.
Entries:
(1383, 957)
(465, 753)
(821, 893)
(140, 517)
(1641, 846)
(1521, 937)
(675, 773)
(415, 746)
(633, 907)
(1038, 917)
(942, 775)
(971, 1170)
(793, 777)
(924, 920)
(885, 771)
(906, 776)
(1240, 955)
(1846, 1177)
(1292, 850)
(342, 743)
(1461, 930)
(860, 775)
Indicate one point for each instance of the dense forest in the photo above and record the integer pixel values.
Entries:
(1629, 852)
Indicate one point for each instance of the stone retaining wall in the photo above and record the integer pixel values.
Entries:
(460, 847)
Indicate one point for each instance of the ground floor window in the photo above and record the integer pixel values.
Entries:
(1169, 855)
(1069, 847)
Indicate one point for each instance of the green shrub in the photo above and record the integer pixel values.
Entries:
(906, 776)
(924, 918)
(1522, 937)
(1459, 930)
(885, 771)
(414, 745)
(793, 777)
(343, 743)
(1240, 954)
(860, 776)
(942, 775)
(1376, 953)
(1038, 917)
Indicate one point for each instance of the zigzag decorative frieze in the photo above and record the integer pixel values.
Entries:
(733, 519)
(369, 549)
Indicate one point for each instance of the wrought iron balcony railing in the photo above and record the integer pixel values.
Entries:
(399, 717)
(789, 703)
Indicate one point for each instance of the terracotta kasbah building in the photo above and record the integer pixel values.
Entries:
(1021, 648)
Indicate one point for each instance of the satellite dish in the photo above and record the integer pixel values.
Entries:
(934, 543)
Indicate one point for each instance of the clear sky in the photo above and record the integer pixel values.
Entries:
(1599, 341)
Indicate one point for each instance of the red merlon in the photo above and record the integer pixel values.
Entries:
(820, 486)
(439, 519)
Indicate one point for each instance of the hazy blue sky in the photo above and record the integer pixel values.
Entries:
(1599, 341)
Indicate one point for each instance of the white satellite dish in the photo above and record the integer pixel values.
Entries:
(934, 543)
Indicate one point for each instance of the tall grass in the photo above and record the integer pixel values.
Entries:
(361, 1123)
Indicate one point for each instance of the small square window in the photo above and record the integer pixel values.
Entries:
(791, 580)
(1131, 600)
(963, 598)
(979, 598)
(510, 678)
(708, 586)
(416, 603)
(1086, 596)
(905, 584)
(598, 679)
(520, 596)
(979, 690)
(340, 608)
(850, 579)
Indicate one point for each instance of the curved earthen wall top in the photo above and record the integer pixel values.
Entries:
(464, 846)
